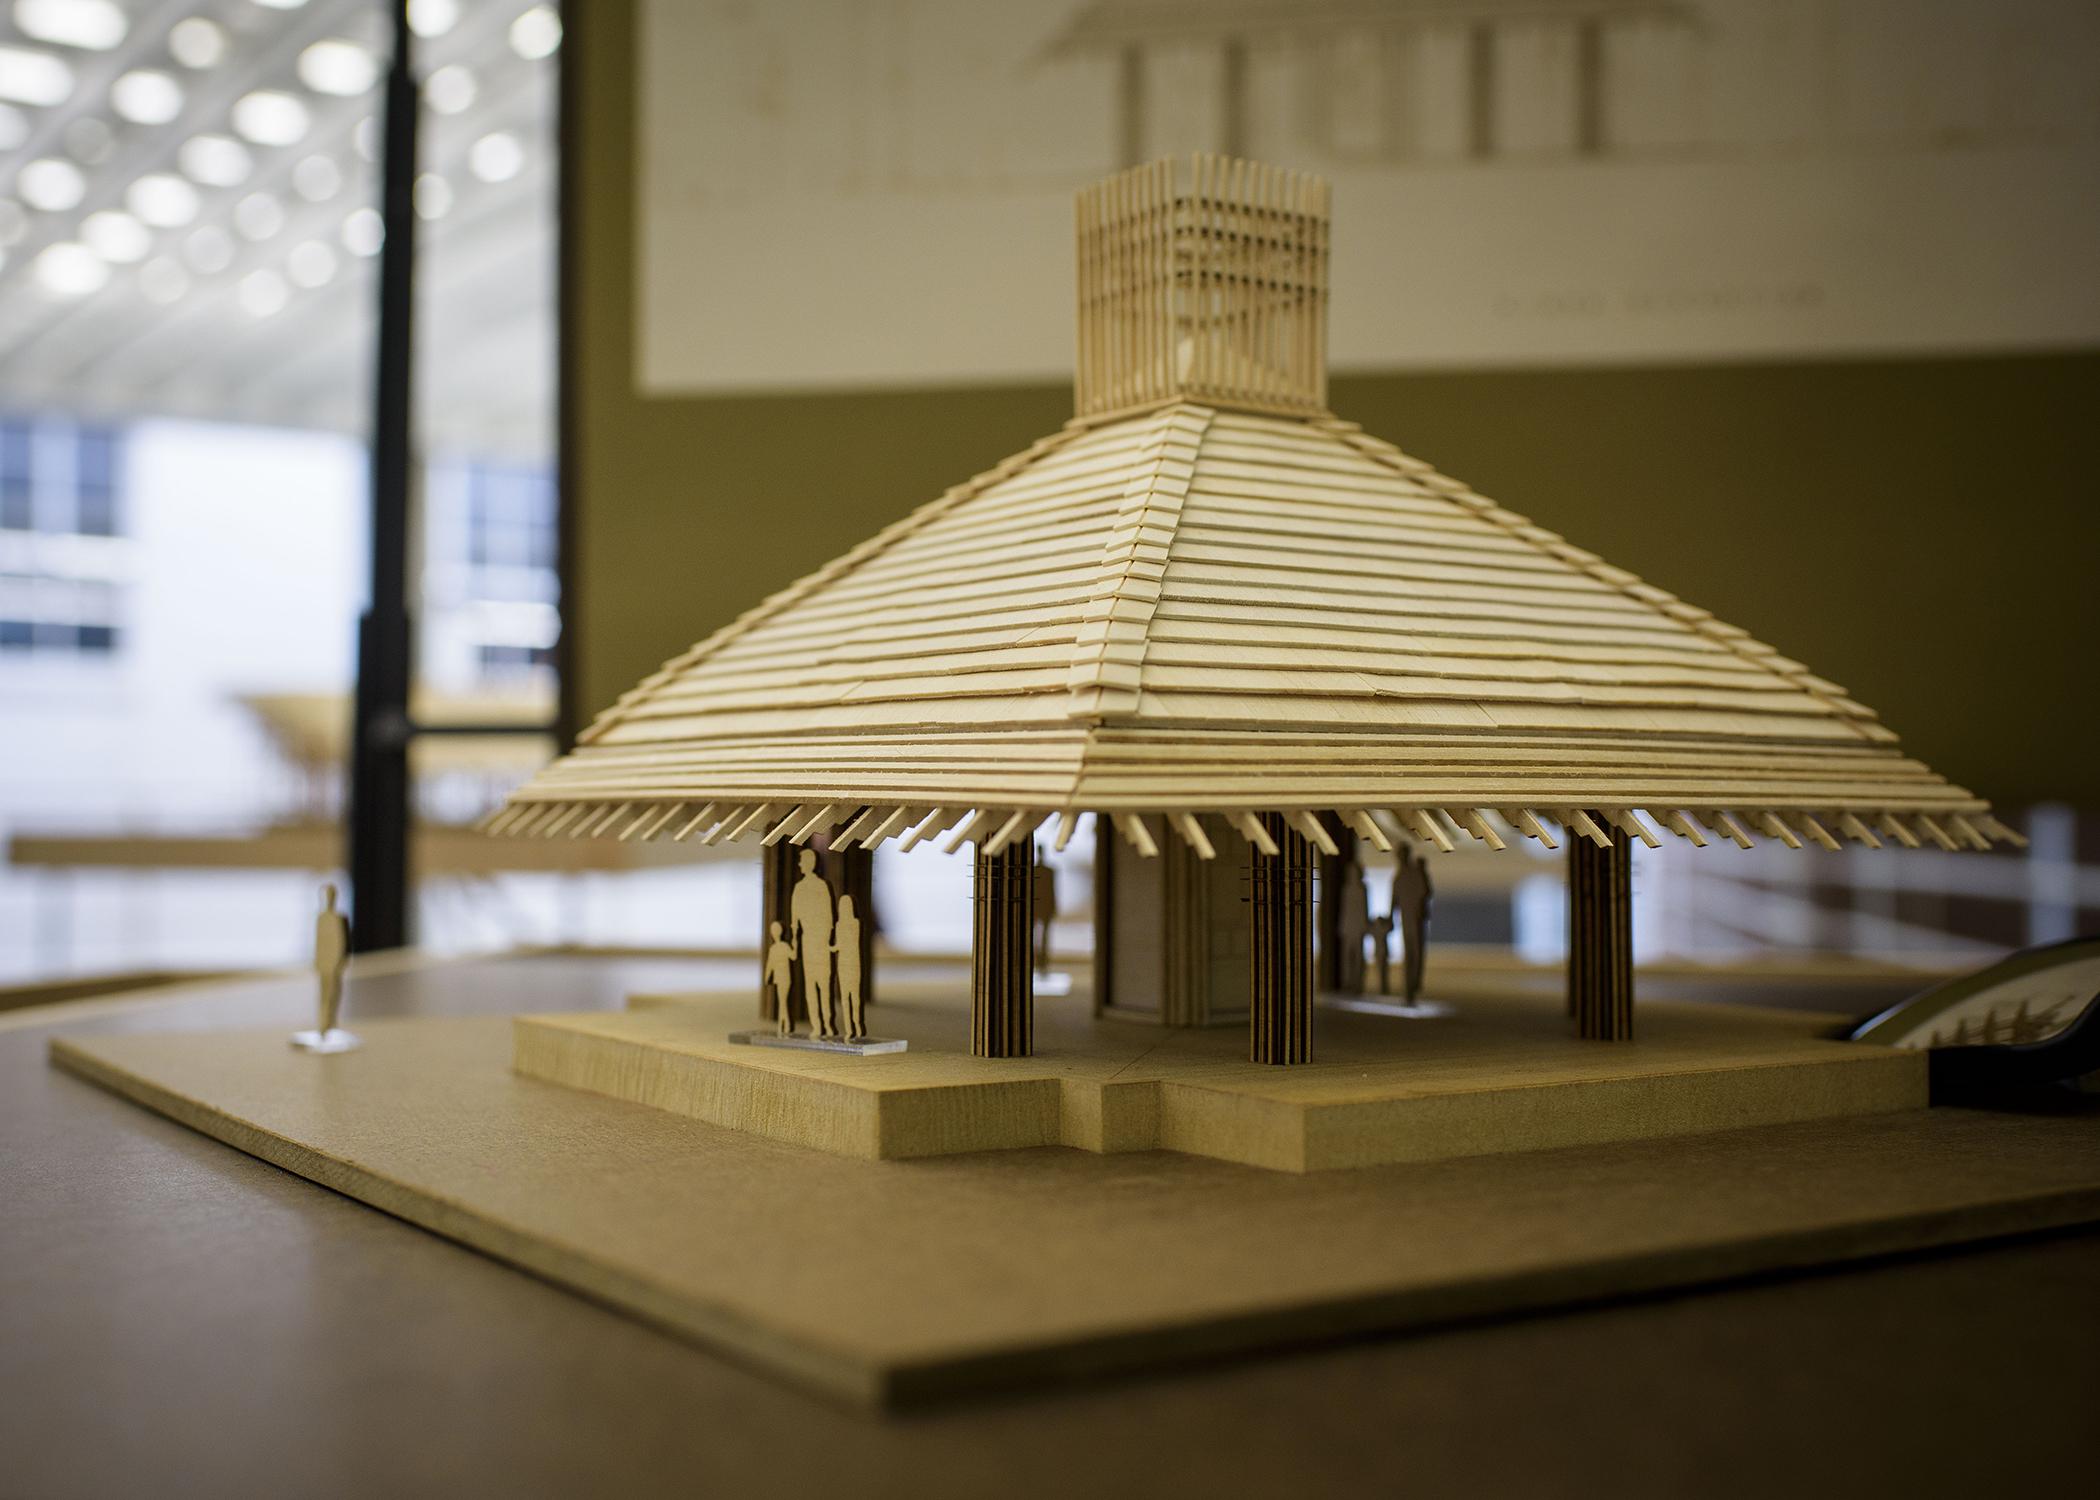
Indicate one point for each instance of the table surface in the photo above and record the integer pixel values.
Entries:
(175, 1316)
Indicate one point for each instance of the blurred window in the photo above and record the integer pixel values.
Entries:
(58, 485)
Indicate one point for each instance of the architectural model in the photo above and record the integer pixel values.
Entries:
(1242, 634)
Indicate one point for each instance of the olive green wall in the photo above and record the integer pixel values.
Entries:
(1922, 531)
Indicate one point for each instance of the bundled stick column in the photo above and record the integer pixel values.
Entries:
(1600, 935)
(1280, 943)
(1002, 953)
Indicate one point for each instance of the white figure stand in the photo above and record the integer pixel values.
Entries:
(331, 953)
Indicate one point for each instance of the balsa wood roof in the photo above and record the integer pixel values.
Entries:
(1186, 615)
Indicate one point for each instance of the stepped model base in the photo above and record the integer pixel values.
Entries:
(1498, 1073)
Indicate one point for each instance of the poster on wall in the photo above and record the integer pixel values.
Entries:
(854, 193)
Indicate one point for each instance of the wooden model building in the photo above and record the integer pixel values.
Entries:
(1242, 633)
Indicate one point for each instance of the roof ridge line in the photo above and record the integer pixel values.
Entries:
(844, 563)
(1861, 719)
(1108, 652)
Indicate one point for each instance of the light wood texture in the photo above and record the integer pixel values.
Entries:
(1502, 1076)
(771, 1254)
(1600, 938)
(1002, 952)
(1280, 946)
(1203, 279)
(265, 1320)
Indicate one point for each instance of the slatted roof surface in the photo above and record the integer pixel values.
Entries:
(1191, 615)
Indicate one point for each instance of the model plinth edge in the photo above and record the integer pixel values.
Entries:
(1243, 634)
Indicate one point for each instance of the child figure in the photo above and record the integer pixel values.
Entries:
(846, 945)
(780, 978)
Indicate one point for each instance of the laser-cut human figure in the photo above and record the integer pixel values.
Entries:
(780, 979)
(1042, 892)
(846, 946)
(1353, 925)
(1382, 947)
(1412, 893)
(809, 909)
(331, 953)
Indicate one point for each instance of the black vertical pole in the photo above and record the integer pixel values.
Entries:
(379, 790)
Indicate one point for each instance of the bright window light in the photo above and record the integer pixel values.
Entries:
(432, 17)
(162, 280)
(162, 199)
(311, 264)
(70, 270)
(496, 157)
(270, 117)
(145, 96)
(215, 160)
(450, 89)
(364, 138)
(280, 4)
(197, 43)
(209, 250)
(317, 179)
(116, 236)
(50, 184)
(33, 77)
(338, 67)
(433, 196)
(536, 33)
(96, 25)
(364, 232)
(263, 293)
(258, 216)
(14, 127)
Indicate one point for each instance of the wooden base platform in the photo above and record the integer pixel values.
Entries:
(1500, 1073)
(893, 1283)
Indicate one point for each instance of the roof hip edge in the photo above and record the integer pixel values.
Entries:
(1109, 653)
(839, 566)
(1862, 720)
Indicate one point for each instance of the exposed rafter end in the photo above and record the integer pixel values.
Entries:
(1577, 821)
(1470, 819)
(972, 827)
(1133, 828)
(695, 823)
(1190, 827)
(1022, 825)
(1997, 830)
(932, 825)
(1366, 828)
(1683, 827)
(1309, 824)
(1250, 827)
(1630, 821)
(1526, 822)
(1067, 825)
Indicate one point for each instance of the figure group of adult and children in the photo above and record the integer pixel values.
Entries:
(826, 943)
(1408, 909)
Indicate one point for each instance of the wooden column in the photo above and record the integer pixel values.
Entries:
(1002, 953)
(1280, 945)
(1600, 935)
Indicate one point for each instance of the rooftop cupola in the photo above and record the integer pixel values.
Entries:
(1203, 279)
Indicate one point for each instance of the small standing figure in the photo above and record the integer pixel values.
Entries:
(1353, 926)
(331, 953)
(1412, 893)
(809, 908)
(845, 946)
(1382, 945)
(780, 979)
(1042, 893)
